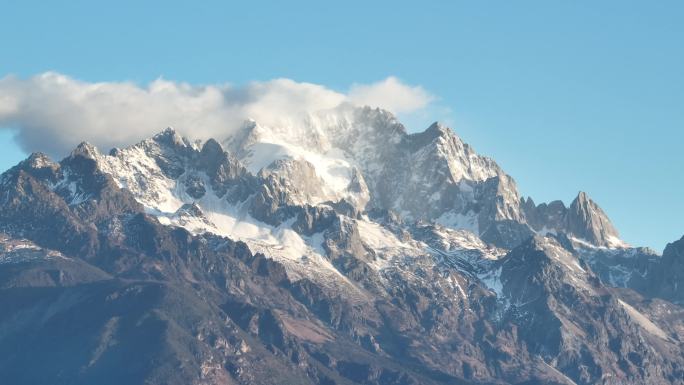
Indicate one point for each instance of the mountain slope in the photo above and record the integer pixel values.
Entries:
(342, 251)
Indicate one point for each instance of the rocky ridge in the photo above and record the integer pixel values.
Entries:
(342, 251)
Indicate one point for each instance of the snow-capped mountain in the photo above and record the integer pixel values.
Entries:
(337, 250)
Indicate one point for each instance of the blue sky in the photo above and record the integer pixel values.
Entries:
(565, 95)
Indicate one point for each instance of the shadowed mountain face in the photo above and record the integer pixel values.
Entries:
(341, 251)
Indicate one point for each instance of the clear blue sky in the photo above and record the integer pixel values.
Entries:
(565, 95)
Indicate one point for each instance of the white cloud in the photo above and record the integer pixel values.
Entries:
(390, 94)
(53, 112)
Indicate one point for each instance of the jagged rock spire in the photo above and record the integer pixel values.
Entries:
(586, 220)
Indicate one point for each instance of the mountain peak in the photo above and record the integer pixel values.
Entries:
(85, 150)
(39, 160)
(582, 197)
(211, 146)
(439, 128)
(342, 215)
(167, 131)
(583, 201)
(435, 131)
(169, 136)
(587, 221)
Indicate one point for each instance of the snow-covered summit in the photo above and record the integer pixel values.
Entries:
(366, 156)
(363, 157)
(307, 193)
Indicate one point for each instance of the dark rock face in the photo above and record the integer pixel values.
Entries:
(566, 316)
(584, 219)
(97, 287)
(665, 280)
(630, 268)
(642, 270)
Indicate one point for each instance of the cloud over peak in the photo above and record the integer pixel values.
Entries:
(390, 94)
(53, 112)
